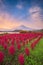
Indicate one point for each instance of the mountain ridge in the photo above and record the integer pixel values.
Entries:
(22, 27)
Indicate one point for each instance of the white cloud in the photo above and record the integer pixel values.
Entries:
(19, 6)
(8, 22)
(35, 13)
(34, 9)
(2, 6)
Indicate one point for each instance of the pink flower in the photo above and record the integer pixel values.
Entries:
(32, 45)
(1, 56)
(26, 41)
(21, 59)
(27, 52)
(11, 50)
(5, 46)
(19, 46)
(12, 42)
(23, 43)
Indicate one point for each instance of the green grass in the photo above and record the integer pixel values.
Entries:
(36, 55)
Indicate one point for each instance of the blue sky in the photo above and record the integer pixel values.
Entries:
(14, 13)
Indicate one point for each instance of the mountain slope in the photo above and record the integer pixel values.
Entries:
(22, 27)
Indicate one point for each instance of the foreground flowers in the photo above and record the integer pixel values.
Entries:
(21, 59)
(27, 51)
(11, 50)
(19, 46)
(35, 42)
(1, 56)
(15, 47)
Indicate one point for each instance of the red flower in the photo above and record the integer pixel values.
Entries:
(11, 50)
(1, 56)
(19, 46)
(23, 43)
(27, 51)
(21, 59)
(5, 46)
(26, 41)
(12, 42)
(32, 45)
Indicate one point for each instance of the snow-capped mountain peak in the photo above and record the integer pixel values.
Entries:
(22, 27)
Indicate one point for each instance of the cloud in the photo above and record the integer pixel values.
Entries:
(19, 6)
(34, 9)
(8, 22)
(2, 6)
(35, 16)
(35, 21)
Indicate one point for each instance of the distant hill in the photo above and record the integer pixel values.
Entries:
(41, 30)
(22, 27)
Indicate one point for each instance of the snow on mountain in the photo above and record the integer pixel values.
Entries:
(22, 27)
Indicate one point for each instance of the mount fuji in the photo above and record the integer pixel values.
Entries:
(22, 27)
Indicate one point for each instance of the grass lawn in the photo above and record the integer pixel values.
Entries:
(36, 55)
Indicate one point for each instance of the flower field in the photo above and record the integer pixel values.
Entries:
(21, 49)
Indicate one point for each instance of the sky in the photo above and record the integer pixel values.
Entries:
(14, 13)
